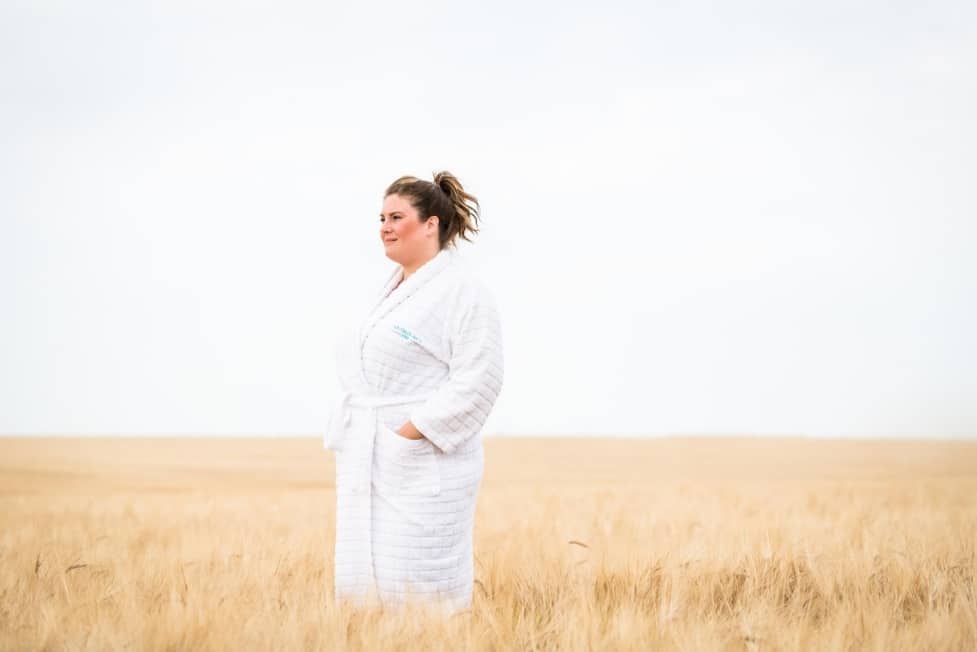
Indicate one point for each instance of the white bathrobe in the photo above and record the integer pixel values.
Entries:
(430, 352)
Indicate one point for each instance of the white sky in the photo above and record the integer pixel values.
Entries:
(750, 217)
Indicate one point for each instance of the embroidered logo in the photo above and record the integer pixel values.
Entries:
(406, 334)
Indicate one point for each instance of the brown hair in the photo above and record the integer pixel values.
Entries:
(457, 210)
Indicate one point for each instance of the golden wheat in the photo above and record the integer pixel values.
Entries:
(581, 544)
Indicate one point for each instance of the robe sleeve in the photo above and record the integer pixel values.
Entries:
(458, 409)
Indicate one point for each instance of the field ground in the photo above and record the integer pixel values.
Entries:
(581, 544)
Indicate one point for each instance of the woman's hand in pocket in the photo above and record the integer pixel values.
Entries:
(408, 431)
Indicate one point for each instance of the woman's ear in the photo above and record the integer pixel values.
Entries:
(432, 224)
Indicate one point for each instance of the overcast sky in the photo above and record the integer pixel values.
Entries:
(749, 217)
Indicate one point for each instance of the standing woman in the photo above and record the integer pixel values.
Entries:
(419, 377)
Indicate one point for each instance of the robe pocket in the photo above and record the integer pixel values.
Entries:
(406, 467)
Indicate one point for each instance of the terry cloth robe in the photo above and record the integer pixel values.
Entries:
(429, 351)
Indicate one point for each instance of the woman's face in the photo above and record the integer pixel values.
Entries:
(406, 240)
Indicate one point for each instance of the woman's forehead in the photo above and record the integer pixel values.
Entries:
(395, 202)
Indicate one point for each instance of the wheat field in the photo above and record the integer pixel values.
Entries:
(581, 544)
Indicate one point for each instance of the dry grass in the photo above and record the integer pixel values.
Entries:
(741, 544)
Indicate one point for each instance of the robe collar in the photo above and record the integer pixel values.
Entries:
(393, 294)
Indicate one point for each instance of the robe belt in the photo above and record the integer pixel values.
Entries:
(340, 417)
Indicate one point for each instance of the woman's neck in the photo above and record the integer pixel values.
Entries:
(413, 267)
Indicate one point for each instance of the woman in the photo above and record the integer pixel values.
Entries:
(419, 377)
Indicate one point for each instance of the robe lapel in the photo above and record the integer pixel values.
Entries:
(393, 295)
